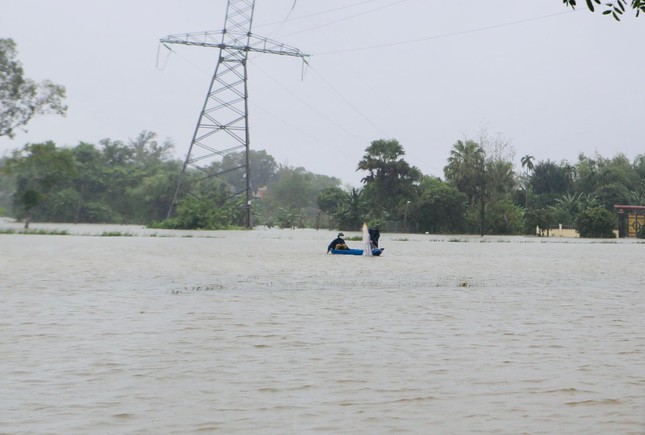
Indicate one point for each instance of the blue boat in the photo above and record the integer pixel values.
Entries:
(370, 240)
(375, 252)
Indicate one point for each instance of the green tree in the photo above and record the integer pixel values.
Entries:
(351, 214)
(331, 200)
(543, 218)
(206, 207)
(131, 166)
(40, 170)
(618, 169)
(287, 217)
(618, 179)
(90, 185)
(638, 194)
(615, 9)
(588, 174)
(440, 207)
(390, 180)
(596, 222)
(568, 206)
(466, 170)
(21, 98)
(147, 152)
(7, 183)
(612, 194)
(118, 182)
(549, 181)
(483, 177)
(154, 178)
(263, 169)
(123, 174)
(154, 192)
(28, 199)
(500, 178)
(639, 166)
(504, 217)
(295, 189)
(613, 180)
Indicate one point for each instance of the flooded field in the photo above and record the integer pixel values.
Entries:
(261, 332)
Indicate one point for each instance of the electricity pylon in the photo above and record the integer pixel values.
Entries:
(223, 126)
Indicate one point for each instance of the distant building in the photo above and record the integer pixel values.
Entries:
(261, 192)
(631, 218)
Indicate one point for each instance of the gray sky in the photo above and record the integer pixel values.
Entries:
(551, 82)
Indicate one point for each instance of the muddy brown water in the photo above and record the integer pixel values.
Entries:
(261, 332)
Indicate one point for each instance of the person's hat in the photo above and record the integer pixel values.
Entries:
(340, 234)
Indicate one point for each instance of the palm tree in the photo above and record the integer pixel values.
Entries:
(466, 170)
(527, 162)
(570, 172)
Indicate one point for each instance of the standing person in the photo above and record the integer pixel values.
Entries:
(337, 243)
(375, 234)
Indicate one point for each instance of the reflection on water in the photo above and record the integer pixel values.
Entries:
(261, 332)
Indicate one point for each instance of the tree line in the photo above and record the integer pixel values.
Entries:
(481, 193)
(133, 182)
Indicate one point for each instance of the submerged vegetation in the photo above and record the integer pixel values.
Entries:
(39, 232)
(116, 234)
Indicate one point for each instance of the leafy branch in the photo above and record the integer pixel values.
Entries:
(615, 9)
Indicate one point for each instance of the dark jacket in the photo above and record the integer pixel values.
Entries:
(336, 241)
(375, 234)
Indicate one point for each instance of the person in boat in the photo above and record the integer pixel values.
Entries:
(375, 234)
(338, 243)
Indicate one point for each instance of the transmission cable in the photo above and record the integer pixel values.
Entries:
(349, 103)
(328, 11)
(307, 104)
(351, 17)
(445, 35)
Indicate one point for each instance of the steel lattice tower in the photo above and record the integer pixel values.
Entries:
(223, 126)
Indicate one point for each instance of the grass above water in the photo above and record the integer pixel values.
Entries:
(37, 232)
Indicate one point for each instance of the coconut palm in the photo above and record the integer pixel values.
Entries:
(527, 162)
(466, 170)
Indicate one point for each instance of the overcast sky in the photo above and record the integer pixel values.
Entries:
(551, 82)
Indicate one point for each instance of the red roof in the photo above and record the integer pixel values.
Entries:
(630, 207)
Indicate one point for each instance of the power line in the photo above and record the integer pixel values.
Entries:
(328, 11)
(351, 17)
(301, 131)
(445, 35)
(312, 108)
(349, 103)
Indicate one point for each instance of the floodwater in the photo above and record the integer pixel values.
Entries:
(260, 332)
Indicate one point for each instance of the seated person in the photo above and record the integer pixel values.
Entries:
(337, 243)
